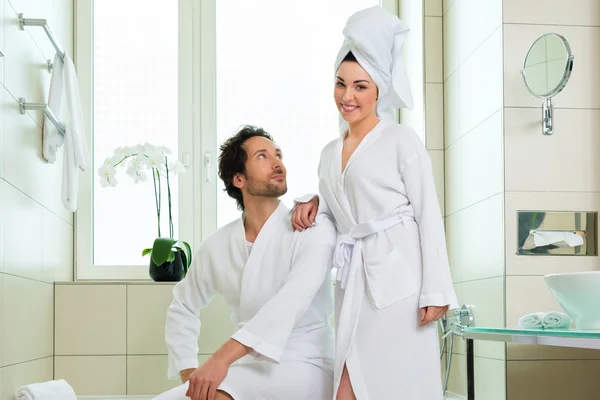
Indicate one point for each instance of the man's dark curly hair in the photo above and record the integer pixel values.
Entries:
(233, 157)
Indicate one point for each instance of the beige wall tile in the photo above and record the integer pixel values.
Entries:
(527, 294)
(474, 166)
(146, 317)
(583, 87)
(18, 375)
(472, 254)
(457, 382)
(433, 8)
(555, 12)
(93, 375)
(90, 319)
(434, 116)
(566, 161)
(540, 380)
(147, 375)
(434, 63)
(516, 352)
(437, 163)
(27, 308)
(545, 201)
(2, 323)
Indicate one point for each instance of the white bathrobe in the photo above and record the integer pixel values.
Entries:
(392, 260)
(281, 302)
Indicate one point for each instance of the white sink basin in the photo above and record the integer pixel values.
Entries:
(578, 293)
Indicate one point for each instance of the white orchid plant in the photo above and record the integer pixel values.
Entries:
(141, 160)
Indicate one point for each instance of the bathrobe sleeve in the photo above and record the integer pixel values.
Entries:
(437, 288)
(267, 333)
(191, 295)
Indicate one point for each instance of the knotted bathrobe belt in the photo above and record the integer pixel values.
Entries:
(342, 257)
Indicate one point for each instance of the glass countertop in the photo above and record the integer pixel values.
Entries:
(585, 339)
(566, 333)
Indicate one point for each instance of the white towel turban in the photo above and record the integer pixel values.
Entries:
(375, 38)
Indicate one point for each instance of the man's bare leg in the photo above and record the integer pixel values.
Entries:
(345, 391)
(222, 396)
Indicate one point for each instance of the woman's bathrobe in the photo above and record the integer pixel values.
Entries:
(391, 258)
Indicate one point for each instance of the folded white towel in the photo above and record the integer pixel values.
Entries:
(556, 320)
(532, 321)
(51, 390)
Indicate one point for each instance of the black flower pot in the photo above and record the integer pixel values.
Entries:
(169, 271)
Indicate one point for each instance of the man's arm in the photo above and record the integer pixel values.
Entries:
(182, 330)
(267, 333)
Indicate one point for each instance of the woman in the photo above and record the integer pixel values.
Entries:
(376, 182)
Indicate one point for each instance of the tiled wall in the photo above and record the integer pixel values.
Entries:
(474, 179)
(36, 233)
(110, 338)
(558, 172)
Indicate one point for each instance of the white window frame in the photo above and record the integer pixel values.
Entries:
(84, 28)
(197, 131)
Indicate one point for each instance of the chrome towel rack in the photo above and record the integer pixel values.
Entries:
(24, 106)
(23, 22)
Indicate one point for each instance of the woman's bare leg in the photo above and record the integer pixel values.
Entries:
(345, 391)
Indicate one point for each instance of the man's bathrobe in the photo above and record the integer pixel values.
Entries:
(281, 301)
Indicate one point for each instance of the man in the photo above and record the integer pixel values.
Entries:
(276, 282)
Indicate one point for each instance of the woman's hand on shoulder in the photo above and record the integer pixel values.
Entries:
(304, 214)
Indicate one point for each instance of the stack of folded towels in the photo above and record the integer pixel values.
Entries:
(540, 320)
(51, 390)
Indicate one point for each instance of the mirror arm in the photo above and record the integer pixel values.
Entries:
(548, 116)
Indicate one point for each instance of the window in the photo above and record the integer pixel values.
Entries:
(187, 75)
(134, 59)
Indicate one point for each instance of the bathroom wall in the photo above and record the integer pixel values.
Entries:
(559, 172)
(474, 179)
(110, 338)
(36, 232)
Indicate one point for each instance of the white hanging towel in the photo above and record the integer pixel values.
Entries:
(76, 154)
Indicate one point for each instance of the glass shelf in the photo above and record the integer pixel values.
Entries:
(589, 339)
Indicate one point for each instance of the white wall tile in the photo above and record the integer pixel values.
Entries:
(93, 375)
(451, 40)
(475, 239)
(545, 201)
(452, 110)
(583, 86)
(434, 63)
(146, 317)
(474, 166)
(434, 116)
(555, 12)
(147, 375)
(22, 238)
(566, 161)
(446, 4)
(2, 43)
(541, 380)
(490, 379)
(486, 296)
(457, 382)
(26, 73)
(527, 294)
(57, 250)
(478, 20)
(15, 376)
(433, 8)
(90, 319)
(24, 166)
(481, 84)
(28, 312)
(437, 163)
(2, 116)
